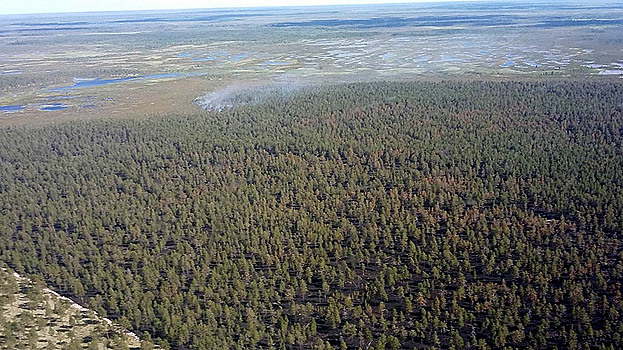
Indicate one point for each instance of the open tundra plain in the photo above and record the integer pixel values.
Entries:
(97, 65)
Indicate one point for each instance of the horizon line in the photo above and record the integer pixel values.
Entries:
(339, 4)
(347, 4)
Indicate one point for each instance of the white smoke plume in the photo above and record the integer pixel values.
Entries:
(238, 94)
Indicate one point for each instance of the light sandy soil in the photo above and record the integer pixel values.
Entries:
(34, 317)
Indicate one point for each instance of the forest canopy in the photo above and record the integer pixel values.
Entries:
(370, 215)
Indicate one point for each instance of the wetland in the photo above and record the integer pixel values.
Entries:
(119, 57)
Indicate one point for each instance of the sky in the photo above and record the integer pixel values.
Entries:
(50, 6)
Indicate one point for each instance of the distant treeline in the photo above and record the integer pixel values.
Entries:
(371, 215)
